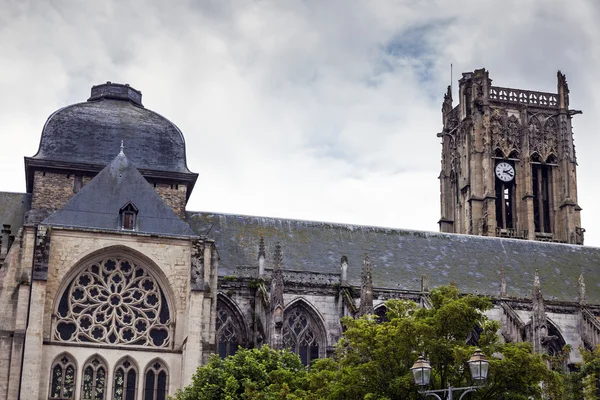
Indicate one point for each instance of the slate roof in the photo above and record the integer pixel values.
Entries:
(91, 133)
(12, 209)
(98, 203)
(401, 257)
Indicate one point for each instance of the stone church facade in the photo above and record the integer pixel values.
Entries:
(111, 289)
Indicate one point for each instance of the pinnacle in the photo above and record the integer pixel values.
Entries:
(261, 247)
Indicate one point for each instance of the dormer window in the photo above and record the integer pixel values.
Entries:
(128, 216)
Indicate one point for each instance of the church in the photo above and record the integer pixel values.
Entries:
(110, 288)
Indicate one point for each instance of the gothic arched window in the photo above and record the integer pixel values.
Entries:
(229, 329)
(114, 301)
(301, 334)
(94, 380)
(125, 381)
(62, 379)
(541, 179)
(155, 381)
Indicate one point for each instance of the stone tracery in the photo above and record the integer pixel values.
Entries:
(114, 301)
(301, 334)
(94, 380)
(229, 329)
(62, 379)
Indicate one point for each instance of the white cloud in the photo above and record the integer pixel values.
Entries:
(321, 110)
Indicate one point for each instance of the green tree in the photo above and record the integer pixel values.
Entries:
(373, 359)
(583, 383)
(261, 374)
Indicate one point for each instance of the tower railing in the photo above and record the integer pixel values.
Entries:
(512, 233)
(524, 97)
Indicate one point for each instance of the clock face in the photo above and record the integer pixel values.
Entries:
(505, 172)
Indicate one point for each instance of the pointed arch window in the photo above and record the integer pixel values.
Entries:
(94, 380)
(301, 334)
(229, 329)
(506, 202)
(62, 379)
(128, 215)
(156, 381)
(115, 301)
(541, 174)
(125, 381)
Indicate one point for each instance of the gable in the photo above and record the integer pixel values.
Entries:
(98, 204)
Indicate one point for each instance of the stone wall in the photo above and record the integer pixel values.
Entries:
(174, 195)
(51, 190)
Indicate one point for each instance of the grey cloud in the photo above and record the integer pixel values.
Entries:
(306, 109)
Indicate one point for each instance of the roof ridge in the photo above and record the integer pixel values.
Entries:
(384, 228)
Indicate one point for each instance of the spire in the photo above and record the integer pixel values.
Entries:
(539, 324)
(424, 283)
(276, 300)
(448, 96)
(502, 283)
(366, 288)
(278, 258)
(563, 90)
(261, 247)
(261, 257)
(344, 271)
(582, 294)
(277, 280)
(537, 286)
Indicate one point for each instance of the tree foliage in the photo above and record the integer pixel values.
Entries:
(261, 374)
(373, 359)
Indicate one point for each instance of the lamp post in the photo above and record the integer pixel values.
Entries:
(478, 365)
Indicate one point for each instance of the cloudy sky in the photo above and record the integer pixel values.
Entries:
(324, 110)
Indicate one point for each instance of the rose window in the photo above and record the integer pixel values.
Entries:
(114, 301)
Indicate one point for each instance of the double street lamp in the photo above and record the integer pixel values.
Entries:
(478, 364)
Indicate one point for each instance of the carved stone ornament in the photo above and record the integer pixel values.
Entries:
(41, 253)
(197, 266)
(543, 137)
(114, 301)
(536, 136)
(506, 132)
(550, 138)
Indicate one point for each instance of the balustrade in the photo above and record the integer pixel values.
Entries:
(525, 97)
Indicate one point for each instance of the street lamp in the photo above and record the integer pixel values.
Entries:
(421, 371)
(478, 365)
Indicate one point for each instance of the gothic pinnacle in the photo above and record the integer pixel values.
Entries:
(261, 247)
(582, 294)
(502, 283)
(278, 259)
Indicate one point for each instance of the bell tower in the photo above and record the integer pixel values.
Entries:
(508, 162)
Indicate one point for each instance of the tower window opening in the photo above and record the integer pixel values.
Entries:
(505, 204)
(542, 202)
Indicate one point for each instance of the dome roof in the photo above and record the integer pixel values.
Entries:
(91, 132)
